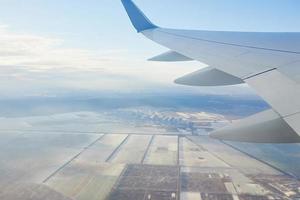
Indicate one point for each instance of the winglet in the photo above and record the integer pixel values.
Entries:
(137, 17)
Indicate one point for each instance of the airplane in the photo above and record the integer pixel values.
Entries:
(269, 62)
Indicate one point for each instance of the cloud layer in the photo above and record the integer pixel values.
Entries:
(33, 65)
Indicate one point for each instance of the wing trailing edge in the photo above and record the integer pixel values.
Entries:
(209, 76)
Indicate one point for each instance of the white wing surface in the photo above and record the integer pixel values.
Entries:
(268, 62)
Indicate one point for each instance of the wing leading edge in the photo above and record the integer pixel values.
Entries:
(268, 62)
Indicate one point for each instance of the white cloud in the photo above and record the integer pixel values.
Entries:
(36, 64)
(41, 53)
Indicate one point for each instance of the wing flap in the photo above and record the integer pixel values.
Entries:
(264, 127)
(209, 77)
(293, 121)
(281, 92)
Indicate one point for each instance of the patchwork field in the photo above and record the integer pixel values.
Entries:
(96, 165)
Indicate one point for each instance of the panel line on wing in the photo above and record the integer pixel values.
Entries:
(290, 115)
(231, 44)
(260, 73)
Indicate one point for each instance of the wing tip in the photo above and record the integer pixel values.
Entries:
(137, 17)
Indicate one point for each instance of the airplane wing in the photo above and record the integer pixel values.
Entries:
(268, 62)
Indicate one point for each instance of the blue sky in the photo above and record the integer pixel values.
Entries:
(61, 41)
(98, 23)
